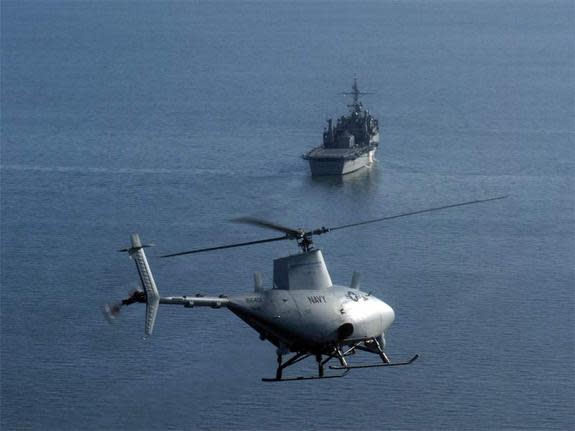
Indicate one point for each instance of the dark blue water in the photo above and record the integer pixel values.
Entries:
(170, 118)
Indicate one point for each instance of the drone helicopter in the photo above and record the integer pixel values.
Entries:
(305, 314)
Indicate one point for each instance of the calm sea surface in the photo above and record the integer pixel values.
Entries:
(169, 118)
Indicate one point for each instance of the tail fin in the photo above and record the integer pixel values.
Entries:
(136, 252)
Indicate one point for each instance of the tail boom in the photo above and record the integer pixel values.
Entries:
(196, 301)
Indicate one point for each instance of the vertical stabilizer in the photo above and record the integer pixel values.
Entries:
(136, 252)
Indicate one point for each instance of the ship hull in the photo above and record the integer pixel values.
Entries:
(339, 166)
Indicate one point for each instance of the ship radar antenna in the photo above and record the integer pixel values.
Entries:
(355, 93)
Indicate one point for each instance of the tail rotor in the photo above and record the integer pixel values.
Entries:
(112, 311)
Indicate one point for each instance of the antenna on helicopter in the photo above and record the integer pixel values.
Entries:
(304, 237)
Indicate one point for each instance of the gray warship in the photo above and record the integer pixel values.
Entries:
(349, 145)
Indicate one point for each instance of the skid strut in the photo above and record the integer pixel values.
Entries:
(381, 353)
(293, 360)
(335, 353)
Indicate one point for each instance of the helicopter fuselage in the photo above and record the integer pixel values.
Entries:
(304, 319)
(304, 311)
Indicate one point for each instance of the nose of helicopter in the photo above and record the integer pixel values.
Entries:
(387, 315)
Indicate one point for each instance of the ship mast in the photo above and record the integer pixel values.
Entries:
(355, 92)
(356, 105)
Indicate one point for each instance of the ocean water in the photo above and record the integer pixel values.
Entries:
(169, 118)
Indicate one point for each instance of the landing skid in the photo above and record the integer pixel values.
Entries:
(335, 352)
(389, 364)
(291, 379)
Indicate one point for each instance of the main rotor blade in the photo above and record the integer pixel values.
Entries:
(350, 93)
(241, 244)
(268, 225)
(413, 213)
(298, 234)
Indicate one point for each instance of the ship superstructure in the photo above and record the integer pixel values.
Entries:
(349, 144)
